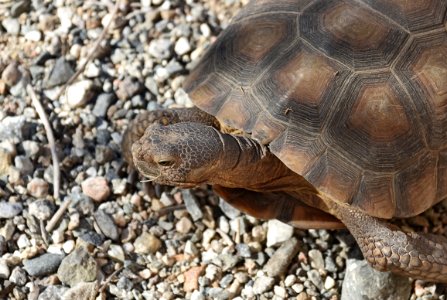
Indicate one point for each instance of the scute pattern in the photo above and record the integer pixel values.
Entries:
(374, 124)
(414, 15)
(350, 94)
(301, 88)
(352, 34)
(424, 71)
(246, 48)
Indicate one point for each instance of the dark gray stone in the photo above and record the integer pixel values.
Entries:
(43, 265)
(102, 104)
(106, 224)
(60, 74)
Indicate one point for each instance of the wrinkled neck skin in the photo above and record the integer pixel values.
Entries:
(250, 165)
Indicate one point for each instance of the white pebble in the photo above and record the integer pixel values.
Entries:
(33, 35)
(68, 246)
(329, 283)
(182, 46)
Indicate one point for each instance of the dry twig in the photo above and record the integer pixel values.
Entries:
(93, 51)
(49, 131)
(58, 215)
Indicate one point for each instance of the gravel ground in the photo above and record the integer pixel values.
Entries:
(126, 240)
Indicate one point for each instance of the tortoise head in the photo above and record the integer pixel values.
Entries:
(182, 154)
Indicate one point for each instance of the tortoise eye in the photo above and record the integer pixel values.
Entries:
(165, 162)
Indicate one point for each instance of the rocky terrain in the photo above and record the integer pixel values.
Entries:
(100, 233)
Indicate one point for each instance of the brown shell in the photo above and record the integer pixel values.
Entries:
(351, 94)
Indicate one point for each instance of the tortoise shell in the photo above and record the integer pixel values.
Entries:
(350, 94)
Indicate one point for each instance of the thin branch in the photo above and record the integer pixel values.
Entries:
(58, 215)
(49, 131)
(93, 51)
(108, 280)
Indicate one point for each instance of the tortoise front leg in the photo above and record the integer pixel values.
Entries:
(165, 117)
(387, 248)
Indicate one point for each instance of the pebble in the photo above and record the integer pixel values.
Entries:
(11, 74)
(147, 243)
(24, 165)
(9, 210)
(280, 260)
(2, 245)
(182, 46)
(11, 128)
(192, 278)
(160, 48)
(263, 284)
(68, 246)
(363, 282)
(329, 283)
(315, 278)
(11, 25)
(61, 72)
(45, 264)
(116, 252)
(184, 225)
(79, 93)
(289, 280)
(128, 88)
(280, 291)
(18, 276)
(316, 259)
(196, 295)
(191, 249)
(192, 205)
(106, 224)
(102, 104)
(4, 269)
(77, 267)
(96, 188)
(42, 209)
(33, 35)
(5, 162)
(230, 211)
(20, 7)
(82, 290)
(278, 232)
(53, 292)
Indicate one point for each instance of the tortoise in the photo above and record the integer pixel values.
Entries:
(322, 114)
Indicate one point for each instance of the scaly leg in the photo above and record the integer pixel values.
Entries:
(387, 248)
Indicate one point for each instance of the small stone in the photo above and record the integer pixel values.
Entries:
(128, 88)
(11, 128)
(79, 93)
(82, 290)
(229, 261)
(302, 296)
(96, 188)
(11, 25)
(147, 243)
(33, 35)
(23, 241)
(116, 252)
(363, 282)
(104, 154)
(4, 269)
(42, 209)
(191, 249)
(196, 295)
(106, 224)
(182, 46)
(230, 211)
(77, 267)
(20, 7)
(263, 284)
(31, 148)
(280, 291)
(18, 276)
(316, 259)
(9, 210)
(192, 205)
(3, 245)
(315, 278)
(38, 188)
(24, 165)
(102, 104)
(329, 283)
(11, 74)
(289, 280)
(53, 292)
(62, 71)
(192, 278)
(280, 260)
(68, 246)
(43, 265)
(5, 162)
(298, 288)
(160, 48)
(278, 232)
(184, 225)
(243, 250)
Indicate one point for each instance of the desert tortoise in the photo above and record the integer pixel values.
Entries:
(315, 112)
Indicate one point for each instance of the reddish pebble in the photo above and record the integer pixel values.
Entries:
(37, 188)
(96, 188)
(192, 278)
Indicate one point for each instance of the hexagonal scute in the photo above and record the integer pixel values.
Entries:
(423, 69)
(301, 88)
(245, 49)
(414, 15)
(351, 33)
(376, 124)
(256, 7)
